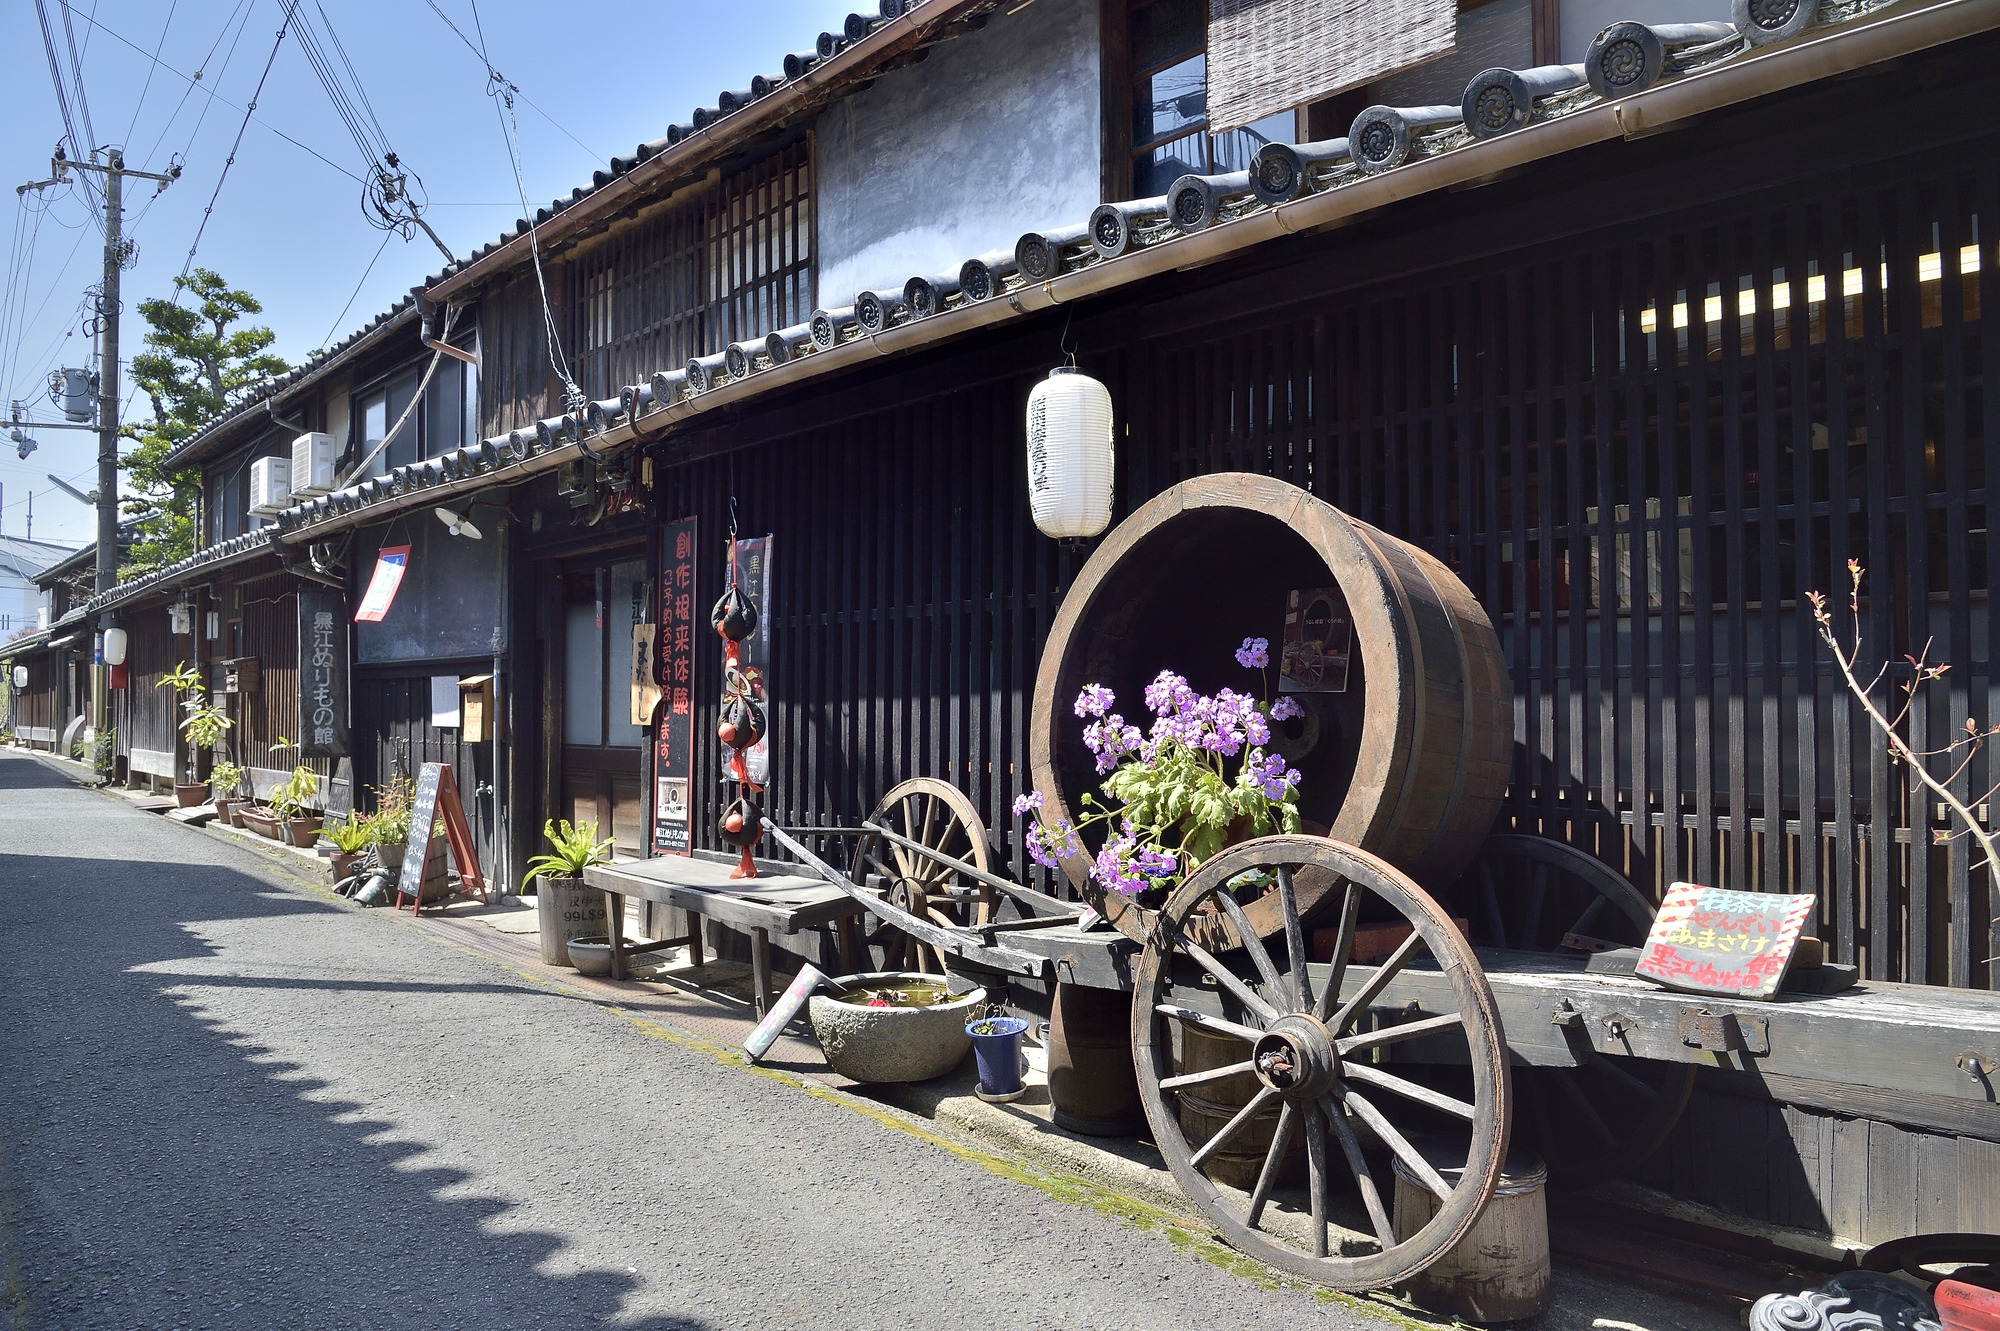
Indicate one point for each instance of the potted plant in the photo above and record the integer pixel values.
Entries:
(225, 780)
(564, 907)
(389, 826)
(203, 725)
(291, 803)
(350, 839)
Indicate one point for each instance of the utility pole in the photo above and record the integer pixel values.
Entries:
(116, 252)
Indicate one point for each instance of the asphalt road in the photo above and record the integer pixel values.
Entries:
(229, 1101)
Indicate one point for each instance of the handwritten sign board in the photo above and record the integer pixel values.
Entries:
(437, 795)
(1709, 940)
(673, 744)
(322, 672)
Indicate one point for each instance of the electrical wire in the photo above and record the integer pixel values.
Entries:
(327, 341)
(79, 144)
(151, 69)
(494, 74)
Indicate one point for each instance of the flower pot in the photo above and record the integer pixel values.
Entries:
(303, 832)
(566, 909)
(390, 854)
(222, 803)
(187, 796)
(996, 1043)
(261, 821)
(892, 1044)
(343, 864)
(590, 954)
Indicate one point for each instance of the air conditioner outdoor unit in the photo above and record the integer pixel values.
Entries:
(312, 464)
(270, 486)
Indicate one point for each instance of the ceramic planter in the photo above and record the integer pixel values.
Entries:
(261, 821)
(187, 796)
(343, 864)
(566, 909)
(303, 832)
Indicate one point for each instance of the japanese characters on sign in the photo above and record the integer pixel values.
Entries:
(322, 672)
(390, 563)
(1713, 941)
(673, 757)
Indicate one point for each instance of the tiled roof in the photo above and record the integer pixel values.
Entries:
(169, 575)
(1289, 186)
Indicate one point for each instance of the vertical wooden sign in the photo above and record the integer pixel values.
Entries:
(673, 744)
(322, 672)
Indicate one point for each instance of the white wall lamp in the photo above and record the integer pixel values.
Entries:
(1071, 457)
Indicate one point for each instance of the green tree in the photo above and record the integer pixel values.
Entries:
(196, 361)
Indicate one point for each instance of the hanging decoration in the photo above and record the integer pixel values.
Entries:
(740, 723)
(1070, 454)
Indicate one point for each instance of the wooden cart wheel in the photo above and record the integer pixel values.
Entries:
(1603, 1118)
(1313, 1043)
(935, 814)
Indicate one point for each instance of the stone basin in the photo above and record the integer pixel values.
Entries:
(893, 1044)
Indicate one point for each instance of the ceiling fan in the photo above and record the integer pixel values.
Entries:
(457, 525)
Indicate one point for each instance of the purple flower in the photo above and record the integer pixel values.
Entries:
(1049, 843)
(1095, 700)
(1254, 654)
(1270, 774)
(1127, 865)
(1169, 693)
(1286, 708)
(1111, 739)
(1026, 802)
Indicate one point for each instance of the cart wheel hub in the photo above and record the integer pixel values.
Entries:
(1297, 1058)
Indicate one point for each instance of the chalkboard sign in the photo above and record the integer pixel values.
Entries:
(436, 795)
(449, 605)
(1712, 941)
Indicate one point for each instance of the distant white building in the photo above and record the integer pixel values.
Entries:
(20, 600)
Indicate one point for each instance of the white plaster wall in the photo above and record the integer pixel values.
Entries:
(996, 133)
(1582, 20)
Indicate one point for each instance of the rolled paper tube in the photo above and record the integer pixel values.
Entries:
(1041, 255)
(798, 62)
(1280, 172)
(830, 44)
(1381, 136)
(782, 1011)
(601, 415)
(786, 343)
(1195, 202)
(1631, 57)
(706, 372)
(860, 25)
(739, 358)
(877, 310)
(668, 385)
(1112, 224)
(832, 327)
(984, 277)
(763, 85)
(1500, 101)
(925, 296)
(1762, 22)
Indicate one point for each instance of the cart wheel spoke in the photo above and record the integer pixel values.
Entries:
(1259, 957)
(1400, 1144)
(1538, 897)
(1281, 1141)
(1586, 1110)
(1207, 1074)
(1490, 895)
(1388, 1035)
(1409, 1090)
(1343, 948)
(1228, 979)
(1235, 1125)
(1377, 982)
(1588, 920)
(888, 874)
(1295, 943)
(1316, 1162)
(1208, 1023)
(1364, 1177)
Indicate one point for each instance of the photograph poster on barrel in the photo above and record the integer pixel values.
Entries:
(1319, 636)
(673, 746)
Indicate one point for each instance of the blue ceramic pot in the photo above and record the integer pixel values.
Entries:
(996, 1043)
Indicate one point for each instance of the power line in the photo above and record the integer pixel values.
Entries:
(495, 76)
(147, 86)
(327, 341)
(200, 70)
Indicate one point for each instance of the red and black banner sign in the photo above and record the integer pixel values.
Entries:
(673, 756)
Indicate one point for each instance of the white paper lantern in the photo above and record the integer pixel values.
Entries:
(20, 677)
(1070, 454)
(114, 646)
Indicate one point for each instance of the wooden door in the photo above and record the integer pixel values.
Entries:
(603, 752)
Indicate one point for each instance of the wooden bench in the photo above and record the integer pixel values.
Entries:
(774, 903)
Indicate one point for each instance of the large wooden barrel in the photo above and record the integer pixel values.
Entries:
(1409, 761)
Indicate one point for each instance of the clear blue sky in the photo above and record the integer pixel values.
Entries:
(606, 75)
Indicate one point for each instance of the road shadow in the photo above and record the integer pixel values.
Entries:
(158, 1167)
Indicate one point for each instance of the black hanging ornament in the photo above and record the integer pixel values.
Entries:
(742, 822)
(734, 616)
(741, 724)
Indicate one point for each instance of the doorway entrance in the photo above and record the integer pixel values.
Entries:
(603, 748)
